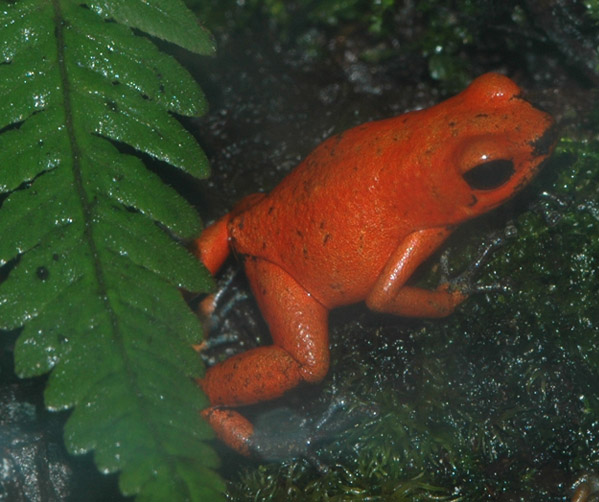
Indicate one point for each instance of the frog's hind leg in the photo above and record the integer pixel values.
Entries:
(300, 353)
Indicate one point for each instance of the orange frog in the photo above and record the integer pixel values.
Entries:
(352, 223)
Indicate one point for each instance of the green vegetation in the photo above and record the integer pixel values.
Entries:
(92, 268)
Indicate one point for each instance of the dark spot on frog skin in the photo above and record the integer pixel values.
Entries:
(361, 241)
(473, 201)
(55, 257)
(325, 239)
(42, 273)
(335, 286)
(542, 145)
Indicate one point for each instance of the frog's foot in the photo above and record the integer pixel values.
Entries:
(261, 442)
(339, 415)
(216, 307)
(281, 434)
(214, 311)
(294, 436)
(464, 283)
(278, 435)
(215, 341)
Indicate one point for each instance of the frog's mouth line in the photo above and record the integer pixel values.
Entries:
(544, 145)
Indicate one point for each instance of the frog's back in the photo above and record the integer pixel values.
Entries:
(327, 223)
(336, 219)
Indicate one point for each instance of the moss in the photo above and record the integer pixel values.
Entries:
(445, 34)
(592, 7)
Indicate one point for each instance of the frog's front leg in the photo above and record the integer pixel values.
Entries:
(390, 294)
(300, 353)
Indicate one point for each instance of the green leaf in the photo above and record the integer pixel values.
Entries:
(88, 233)
(170, 21)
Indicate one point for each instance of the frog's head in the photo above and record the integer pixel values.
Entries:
(494, 145)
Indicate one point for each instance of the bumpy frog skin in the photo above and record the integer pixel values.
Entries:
(353, 221)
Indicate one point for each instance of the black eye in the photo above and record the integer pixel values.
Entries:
(489, 175)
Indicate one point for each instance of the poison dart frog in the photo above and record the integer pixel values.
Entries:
(353, 221)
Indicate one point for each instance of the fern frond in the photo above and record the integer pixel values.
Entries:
(88, 233)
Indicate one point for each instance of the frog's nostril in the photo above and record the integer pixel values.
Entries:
(544, 145)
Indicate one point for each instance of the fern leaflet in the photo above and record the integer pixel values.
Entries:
(88, 233)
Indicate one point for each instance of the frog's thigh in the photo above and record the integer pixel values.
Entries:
(298, 322)
(300, 351)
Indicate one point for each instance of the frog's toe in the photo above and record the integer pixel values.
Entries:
(296, 436)
(216, 341)
(465, 282)
(465, 285)
(291, 438)
(215, 308)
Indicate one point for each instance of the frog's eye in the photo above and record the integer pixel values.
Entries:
(489, 175)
